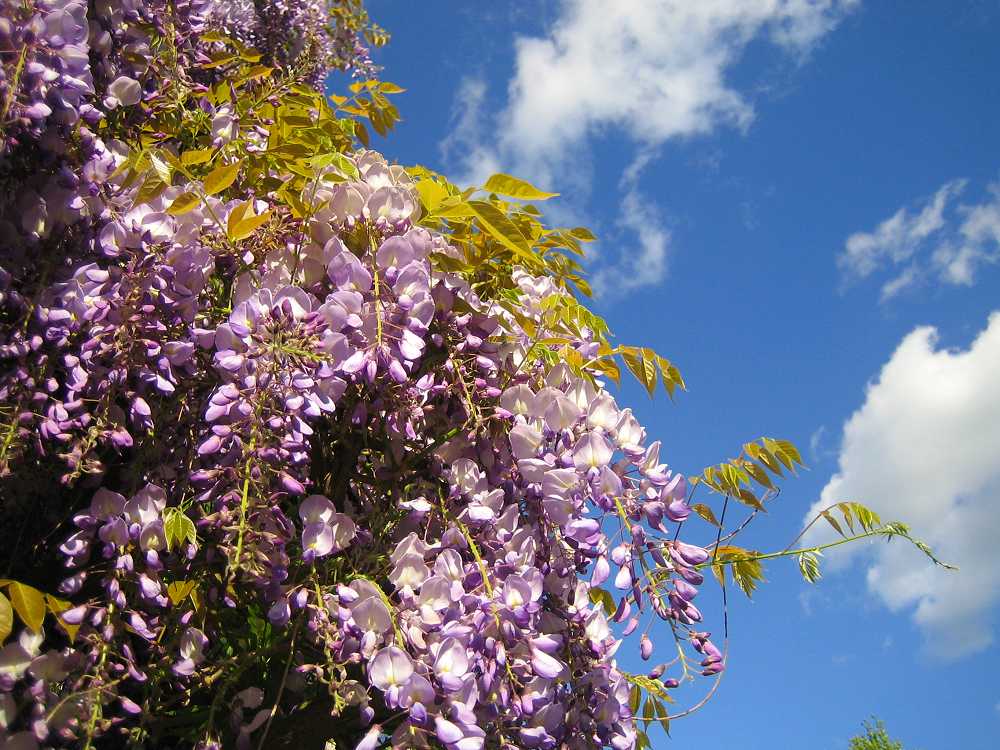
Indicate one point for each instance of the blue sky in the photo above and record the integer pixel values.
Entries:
(798, 202)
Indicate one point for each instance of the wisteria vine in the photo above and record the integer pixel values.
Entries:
(298, 446)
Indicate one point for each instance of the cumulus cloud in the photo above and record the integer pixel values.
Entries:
(938, 239)
(650, 70)
(925, 449)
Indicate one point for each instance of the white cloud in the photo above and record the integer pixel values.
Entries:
(925, 449)
(939, 239)
(469, 130)
(819, 448)
(639, 217)
(651, 70)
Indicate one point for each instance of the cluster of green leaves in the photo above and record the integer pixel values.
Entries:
(648, 699)
(875, 738)
(369, 102)
(740, 477)
(498, 228)
(743, 564)
(351, 16)
(304, 135)
(855, 522)
(31, 606)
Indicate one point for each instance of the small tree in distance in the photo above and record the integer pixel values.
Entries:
(875, 738)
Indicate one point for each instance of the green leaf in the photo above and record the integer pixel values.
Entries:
(161, 168)
(601, 596)
(221, 177)
(199, 156)
(641, 366)
(432, 193)
(236, 215)
(503, 229)
(6, 619)
(635, 697)
(178, 591)
(151, 189)
(257, 71)
(648, 710)
(747, 573)
(362, 134)
(504, 184)
(705, 512)
(809, 566)
(344, 166)
(183, 203)
(29, 603)
(246, 226)
(178, 528)
(832, 521)
(454, 207)
(57, 607)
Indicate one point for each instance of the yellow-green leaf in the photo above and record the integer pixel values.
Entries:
(362, 134)
(236, 215)
(161, 168)
(178, 591)
(199, 156)
(454, 207)
(246, 226)
(6, 618)
(257, 71)
(57, 607)
(504, 184)
(178, 528)
(221, 177)
(705, 512)
(183, 203)
(431, 193)
(151, 189)
(219, 60)
(503, 229)
(832, 521)
(29, 603)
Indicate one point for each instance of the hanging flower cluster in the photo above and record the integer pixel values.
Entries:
(298, 446)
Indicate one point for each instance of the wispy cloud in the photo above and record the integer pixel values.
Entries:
(923, 449)
(465, 144)
(640, 218)
(649, 70)
(938, 239)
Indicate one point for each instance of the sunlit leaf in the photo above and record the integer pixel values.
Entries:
(57, 607)
(432, 193)
(183, 203)
(246, 226)
(29, 603)
(178, 591)
(705, 512)
(221, 177)
(513, 187)
(178, 528)
(6, 618)
(198, 156)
